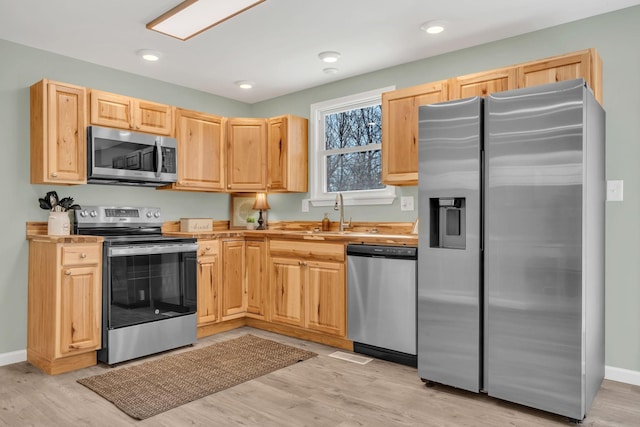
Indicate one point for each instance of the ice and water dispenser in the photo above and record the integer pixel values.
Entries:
(447, 228)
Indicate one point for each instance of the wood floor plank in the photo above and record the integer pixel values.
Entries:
(322, 391)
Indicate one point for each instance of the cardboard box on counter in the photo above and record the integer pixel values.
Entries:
(196, 224)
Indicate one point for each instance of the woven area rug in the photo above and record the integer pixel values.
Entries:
(153, 387)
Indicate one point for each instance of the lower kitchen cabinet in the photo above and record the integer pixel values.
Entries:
(234, 286)
(285, 282)
(208, 282)
(325, 297)
(64, 305)
(254, 256)
(307, 285)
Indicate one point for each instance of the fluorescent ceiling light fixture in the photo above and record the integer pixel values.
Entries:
(149, 55)
(329, 56)
(245, 84)
(433, 27)
(191, 17)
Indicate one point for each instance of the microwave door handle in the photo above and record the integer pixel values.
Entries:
(158, 150)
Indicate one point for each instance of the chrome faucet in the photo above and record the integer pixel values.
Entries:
(339, 205)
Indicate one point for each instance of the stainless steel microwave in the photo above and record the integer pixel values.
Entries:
(130, 158)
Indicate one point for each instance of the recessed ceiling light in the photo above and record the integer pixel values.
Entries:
(330, 70)
(245, 84)
(433, 27)
(329, 56)
(149, 55)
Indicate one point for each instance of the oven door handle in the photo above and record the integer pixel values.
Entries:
(151, 249)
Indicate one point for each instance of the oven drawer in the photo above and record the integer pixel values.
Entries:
(81, 254)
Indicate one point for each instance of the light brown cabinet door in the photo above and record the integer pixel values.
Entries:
(483, 84)
(207, 290)
(58, 133)
(287, 154)
(80, 310)
(325, 296)
(153, 117)
(234, 289)
(400, 130)
(111, 110)
(201, 151)
(208, 305)
(254, 260)
(246, 154)
(285, 287)
(585, 64)
(122, 112)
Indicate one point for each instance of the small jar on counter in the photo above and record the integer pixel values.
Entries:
(326, 223)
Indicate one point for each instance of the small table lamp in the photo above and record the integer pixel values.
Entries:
(261, 204)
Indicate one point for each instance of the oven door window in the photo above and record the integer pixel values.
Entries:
(147, 288)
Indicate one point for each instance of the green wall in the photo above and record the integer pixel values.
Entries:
(610, 34)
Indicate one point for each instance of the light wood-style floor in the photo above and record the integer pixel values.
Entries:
(322, 391)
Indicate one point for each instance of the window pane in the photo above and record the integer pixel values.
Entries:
(354, 171)
(353, 128)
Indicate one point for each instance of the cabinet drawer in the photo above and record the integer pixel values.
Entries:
(81, 254)
(315, 250)
(207, 248)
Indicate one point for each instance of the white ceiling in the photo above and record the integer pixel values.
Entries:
(275, 44)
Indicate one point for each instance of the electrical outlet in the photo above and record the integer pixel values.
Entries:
(406, 203)
(615, 191)
(305, 205)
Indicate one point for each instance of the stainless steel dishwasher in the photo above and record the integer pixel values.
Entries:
(382, 283)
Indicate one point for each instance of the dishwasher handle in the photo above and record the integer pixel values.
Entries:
(381, 251)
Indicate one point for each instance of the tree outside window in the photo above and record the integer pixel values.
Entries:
(352, 144)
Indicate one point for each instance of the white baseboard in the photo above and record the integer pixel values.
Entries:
(622, 375)
(13, 357)
(611, 373)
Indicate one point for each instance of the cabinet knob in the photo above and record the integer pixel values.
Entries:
(228, 185)
(83, 255)
(208, 248)
(67, 272)
(54, 174)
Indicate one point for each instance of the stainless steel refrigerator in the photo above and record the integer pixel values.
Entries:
(511, 246)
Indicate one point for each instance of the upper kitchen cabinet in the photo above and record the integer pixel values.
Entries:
(246, 154)
(400, 130)
(400, 107)
(483, 84)
(287, 154)
(58, 133)
(201, 151)
(123, 112)
(584, 64)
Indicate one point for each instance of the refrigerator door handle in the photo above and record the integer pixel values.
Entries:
(482, 195)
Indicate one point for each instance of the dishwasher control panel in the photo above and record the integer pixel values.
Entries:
(406, 252)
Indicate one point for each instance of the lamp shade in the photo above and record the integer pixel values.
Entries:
(261, 202)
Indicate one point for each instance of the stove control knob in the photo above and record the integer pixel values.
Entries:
(93, 214)
(156, 214)
(149, 214)
(83, 213)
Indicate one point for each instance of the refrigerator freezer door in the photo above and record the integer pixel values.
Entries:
(449, 311)
(535, 166)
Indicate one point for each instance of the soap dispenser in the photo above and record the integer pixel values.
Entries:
(326, 224)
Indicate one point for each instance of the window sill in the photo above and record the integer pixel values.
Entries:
(354, 201)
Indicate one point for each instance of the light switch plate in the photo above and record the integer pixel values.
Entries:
(615, 190)
(305, 205)
(406, 203)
